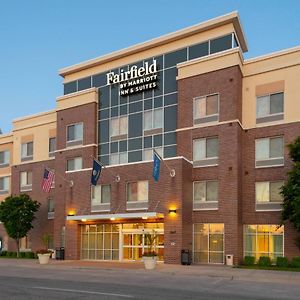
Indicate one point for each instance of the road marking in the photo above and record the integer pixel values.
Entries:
(83, 292)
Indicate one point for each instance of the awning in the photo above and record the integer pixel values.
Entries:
(125, 216)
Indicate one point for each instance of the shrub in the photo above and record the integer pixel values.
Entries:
(14, 254)
(249, 260)
(29, 255)
(282, 262)
(264, 261)
(3, 253)
(296, 262)
(22, 254)
(9, 253)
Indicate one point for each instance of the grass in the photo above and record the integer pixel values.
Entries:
(273, 268)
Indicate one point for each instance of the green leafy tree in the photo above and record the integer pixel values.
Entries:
(291, 189)
(17, 214)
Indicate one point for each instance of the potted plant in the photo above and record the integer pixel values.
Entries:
(150, 256)
(45, 254)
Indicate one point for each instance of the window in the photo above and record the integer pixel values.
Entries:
(26, 181)
(74, 164)
(4, 158)
(4, 185)
(50, 208)
(206, 194)
(52, 146)
(148, 153)
(206, 151)
(24, 243)
(268, 195)
(269, 108)
(27, 151)
(74, 134)
(206, 109)
(269, 152)
(263, 240)
(208, 243)
(153, 119)
(118, 158)
(137, 195)
(100, 197)
(118, 126)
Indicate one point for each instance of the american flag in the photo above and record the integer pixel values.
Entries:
(47, 180)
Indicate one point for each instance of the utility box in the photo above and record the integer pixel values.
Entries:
(60, 253)
(229, 259)
(186, 257)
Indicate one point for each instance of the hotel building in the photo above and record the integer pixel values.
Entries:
(220, 122)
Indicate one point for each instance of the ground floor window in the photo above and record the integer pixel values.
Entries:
(100, 242)
(208, 243)
(263, 240)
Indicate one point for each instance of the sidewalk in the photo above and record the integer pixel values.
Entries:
(213, 271)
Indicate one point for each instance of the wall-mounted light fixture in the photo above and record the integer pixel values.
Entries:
(144, 217)
(112, 218)
(71, 213)
(83, 220)
(172, 211)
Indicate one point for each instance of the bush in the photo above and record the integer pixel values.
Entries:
(14, 254)
(282, 262)
(249, 260)
(3, 253)
(296, 262)
(22, 254)
(264, 261)
(29, 255)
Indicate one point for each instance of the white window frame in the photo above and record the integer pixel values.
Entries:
(6, 158)
(205, 182)
(99, 206)
(269, 102)
(6, 180)
(269, 189)
(51, 153)
(206, 158)
(27, 186)
(137, 201)
(152, 112)
(50, 212)
(270, 159)
(119, 128)
(25, 155)
(202, 119)
(74, 159)
(75, 139)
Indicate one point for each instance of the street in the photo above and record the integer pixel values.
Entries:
(32, 281)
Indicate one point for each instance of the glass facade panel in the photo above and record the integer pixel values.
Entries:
(212, 191)
(199, 149)
(198, 50)
(276, 147)
(263, 106)
(275, 195)
(200, 191)
(221, 44)
(262, 191)
(276, 103)
(212, 147)
(262, 149)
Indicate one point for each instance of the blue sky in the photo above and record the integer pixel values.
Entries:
(40, 37)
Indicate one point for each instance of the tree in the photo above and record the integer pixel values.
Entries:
(291, 189)
(17, 214)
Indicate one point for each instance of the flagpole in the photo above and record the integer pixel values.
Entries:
(172, 171)
(117, 177)
(71, 182)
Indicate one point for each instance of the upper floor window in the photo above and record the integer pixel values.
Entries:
(206, 151)
(269, 152)
(153, 119)
(118, 158)
(206, 109)
(137, 195)
(269, 108)
(268, 191)
(100, 197)
(206, 194)
(4, 158)
(74, 134)
(4, 185)
(118, 126)
(74, 164)
(50, 208)
(52, 146)
(27, 151)
(26, 181)
(148, 153)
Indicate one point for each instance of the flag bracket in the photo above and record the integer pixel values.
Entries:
(173, 173)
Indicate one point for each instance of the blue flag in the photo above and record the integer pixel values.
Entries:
(96, 172)
(156, 167)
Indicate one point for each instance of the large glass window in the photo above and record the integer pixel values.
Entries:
(4, 158)
(27, 151)
(208, 243)
(269, 152)
(74, 164)
(75, 133)
(206, 151)
(206, 109)
(4, 185)
(137, 191)
(118, 126)
(269, 108)
(26, 181)
(153, 119)
(100, 194)
(100, 242)
(263, 240)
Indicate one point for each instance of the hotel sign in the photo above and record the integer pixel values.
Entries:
(135, 80)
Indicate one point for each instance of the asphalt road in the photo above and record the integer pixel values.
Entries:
(29, 283)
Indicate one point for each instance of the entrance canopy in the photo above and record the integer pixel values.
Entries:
(125, 216)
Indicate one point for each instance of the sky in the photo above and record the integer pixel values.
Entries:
(37, 38)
